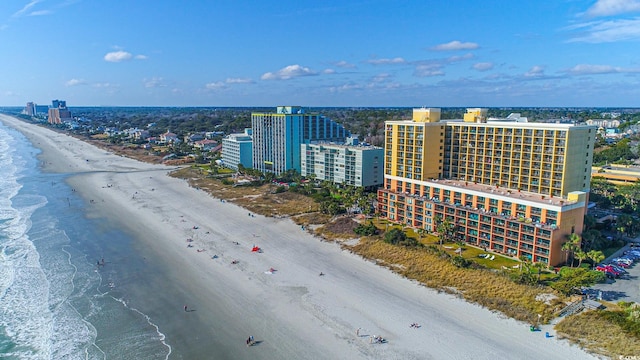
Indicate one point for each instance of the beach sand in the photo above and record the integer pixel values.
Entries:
(293, 313)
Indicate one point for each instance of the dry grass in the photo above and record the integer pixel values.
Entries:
(261, 200)
(341, 228)
(595, 332)
(484, 287)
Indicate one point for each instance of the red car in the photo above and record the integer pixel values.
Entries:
(608, 270)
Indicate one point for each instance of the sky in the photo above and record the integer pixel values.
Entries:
(356, 53)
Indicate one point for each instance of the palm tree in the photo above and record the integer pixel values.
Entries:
(421, 232)
(580, 255)
(572, 245)
(596, 256)
(444, 229)
(539, 266)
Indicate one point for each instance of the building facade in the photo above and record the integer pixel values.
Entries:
(30, 109)
(354, 165)
(58, 112)
(238, 149)
(514, 188)
(277, 137)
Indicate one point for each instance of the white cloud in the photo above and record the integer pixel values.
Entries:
(215, 85)
(140, 57)
(345, 87)
(3, 27)
(10, 93)
(455, 45)
(288, 72)
(425, 70)
(118, 56)
(328, 71)
(607, 31)
(103, 85)
(381, 77)
(589, 69)
(25, 8)
(239, 81)
(613, 7)
(75, 82)
(344, 64)
(397, 60)
(535, 71)
(40, 13)
(483, 66)
(155, 82)
(456, 58)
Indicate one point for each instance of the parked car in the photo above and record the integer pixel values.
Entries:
(608, 270)
(619, 269)
(620, 264)
(623, 260)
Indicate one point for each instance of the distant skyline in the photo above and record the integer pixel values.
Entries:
(463, 53)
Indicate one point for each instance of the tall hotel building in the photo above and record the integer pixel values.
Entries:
(277, 137)
(58, 112)
(515, 188)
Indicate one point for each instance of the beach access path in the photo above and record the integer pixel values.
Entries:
(293, 312)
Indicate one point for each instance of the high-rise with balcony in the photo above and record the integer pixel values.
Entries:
(277, 137)
(58, 112)
(515, 188)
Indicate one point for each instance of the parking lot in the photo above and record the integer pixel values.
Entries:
(625, 288)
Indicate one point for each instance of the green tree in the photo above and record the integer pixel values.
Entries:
(574, 278)
(595, 256)
(445, 229)
(571, 246)
(395, 236)
(580, 255)
(366, 230)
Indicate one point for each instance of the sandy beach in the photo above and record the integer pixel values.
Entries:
(292, 312)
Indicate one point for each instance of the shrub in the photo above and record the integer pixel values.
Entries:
(460, 261)
(398, 237)
(366, 230)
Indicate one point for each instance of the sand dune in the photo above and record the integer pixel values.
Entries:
(293, 312)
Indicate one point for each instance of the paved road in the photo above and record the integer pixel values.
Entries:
(623, 289)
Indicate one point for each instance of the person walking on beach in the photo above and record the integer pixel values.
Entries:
(185, 308)
(358, 332)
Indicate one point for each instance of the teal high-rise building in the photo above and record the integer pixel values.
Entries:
(277, 137)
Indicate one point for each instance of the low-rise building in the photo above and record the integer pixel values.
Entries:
(238, 149)
(355, 165)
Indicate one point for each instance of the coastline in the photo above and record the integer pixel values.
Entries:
(293, 312)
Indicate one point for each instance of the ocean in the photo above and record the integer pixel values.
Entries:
(58, 298)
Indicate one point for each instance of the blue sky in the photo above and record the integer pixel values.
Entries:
(321, 53)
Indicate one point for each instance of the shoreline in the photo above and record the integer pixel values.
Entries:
(293, 312)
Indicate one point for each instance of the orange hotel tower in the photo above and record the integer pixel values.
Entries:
(516, 188)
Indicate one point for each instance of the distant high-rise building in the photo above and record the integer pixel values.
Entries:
(30, 109)
(58, 112)
(515, 188)
(277, 137)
